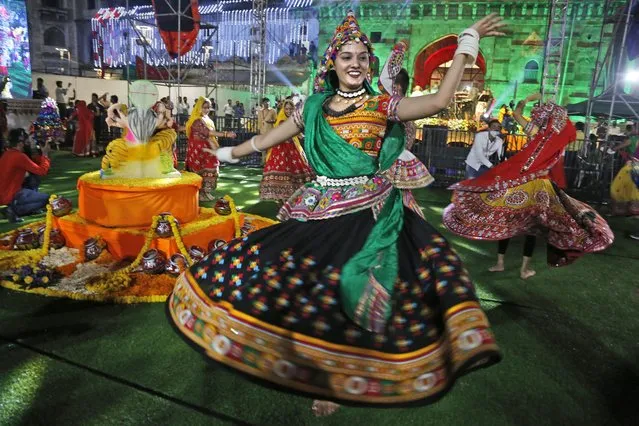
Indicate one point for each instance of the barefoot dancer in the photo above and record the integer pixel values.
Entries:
(355, 297)
(523, 196)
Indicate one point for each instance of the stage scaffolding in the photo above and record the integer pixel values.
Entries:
(258, 51)
(608, 74)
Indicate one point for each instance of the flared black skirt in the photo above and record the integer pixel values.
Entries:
(269, 305)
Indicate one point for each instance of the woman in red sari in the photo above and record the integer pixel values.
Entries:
(286, 168)
(202, 135)
(84, 140)
(524, 196)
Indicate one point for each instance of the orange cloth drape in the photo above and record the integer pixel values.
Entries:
(115, 206)
(127, 243)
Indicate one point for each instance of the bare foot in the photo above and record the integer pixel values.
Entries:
(496, 268)
(324, 408)
(526, 273)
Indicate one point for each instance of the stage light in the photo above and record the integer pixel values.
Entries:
(632, 76)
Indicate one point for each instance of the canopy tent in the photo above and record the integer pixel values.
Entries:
(625, 106)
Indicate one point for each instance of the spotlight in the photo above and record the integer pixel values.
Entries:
(632, 76)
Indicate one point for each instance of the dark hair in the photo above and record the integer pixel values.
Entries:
(94, 94)
(331, 77)
(58, 83)
(579, 126)
(265, 100)
(628, 127)
(402, 79)
(114, 99)
(40, 80)
(494, 120)
(16, 136)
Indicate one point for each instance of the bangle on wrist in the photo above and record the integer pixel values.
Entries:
(255, 148)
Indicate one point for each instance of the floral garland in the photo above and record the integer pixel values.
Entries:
(27, 268)
(94, 178)
(112, 281)
(234, 215)
(80, 296)
(49, 225)
(178, 239)
(30, 258)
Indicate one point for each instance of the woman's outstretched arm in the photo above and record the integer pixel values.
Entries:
(276, 136)
(418, 107)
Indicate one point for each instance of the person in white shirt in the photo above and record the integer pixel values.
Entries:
(228, 114)
(486, 144)
(60, 98)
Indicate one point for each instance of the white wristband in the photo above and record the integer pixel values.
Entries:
(469, 32)
(255, 148)
(468, 45)
(225, 154)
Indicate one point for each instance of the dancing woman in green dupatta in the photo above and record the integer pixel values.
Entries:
(353, 298)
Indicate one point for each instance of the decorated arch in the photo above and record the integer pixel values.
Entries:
(436, 54)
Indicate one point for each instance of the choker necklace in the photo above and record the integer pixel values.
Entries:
(351, 95)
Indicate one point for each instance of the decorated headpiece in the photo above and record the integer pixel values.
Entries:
(549, 113)
(347, 31)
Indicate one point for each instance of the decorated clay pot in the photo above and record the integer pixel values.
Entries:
(8, 240)
(216, 244)
(163, 229)
(61, 206)
(153, 261)
(247, 228)
(222, 207)
(26, 240)
(196, 253)
(56, 239)
(176, 264)
(93, 247)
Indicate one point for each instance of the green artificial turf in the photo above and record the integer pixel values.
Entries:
(569, 337)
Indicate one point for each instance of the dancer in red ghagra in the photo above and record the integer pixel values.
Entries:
(524, 196)
(200, 157)
(285, 168)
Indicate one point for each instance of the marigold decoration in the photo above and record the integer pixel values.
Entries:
(46, 239)
(50, 272)
(112, 281)
(178, 239)
(234, 215)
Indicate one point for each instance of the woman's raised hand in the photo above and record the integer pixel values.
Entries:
(533, 97)
(491, 25)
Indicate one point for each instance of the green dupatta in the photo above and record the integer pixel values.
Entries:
(369, 276)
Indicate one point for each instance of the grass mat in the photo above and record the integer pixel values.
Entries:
(568, 336)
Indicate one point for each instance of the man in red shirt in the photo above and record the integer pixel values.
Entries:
(14, 166)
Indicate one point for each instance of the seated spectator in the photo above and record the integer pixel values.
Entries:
(14, 165)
